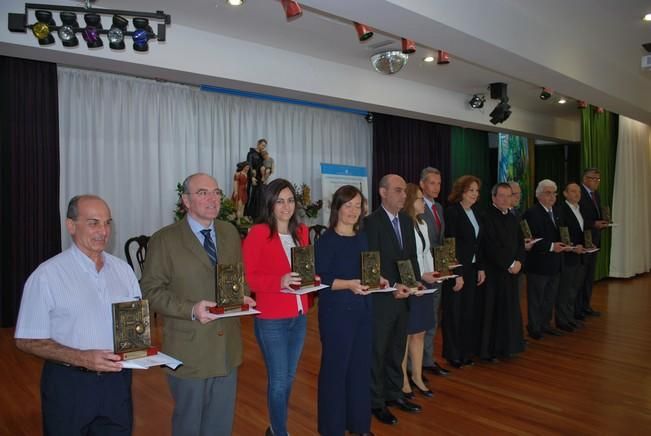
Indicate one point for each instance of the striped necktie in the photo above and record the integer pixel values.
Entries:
(209, 245)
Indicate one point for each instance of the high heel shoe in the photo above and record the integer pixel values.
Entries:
(424, 392)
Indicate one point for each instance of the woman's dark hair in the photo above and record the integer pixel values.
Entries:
(341, 196)
(270, 194)
(240, 166)
(412, 194)
(461, 185)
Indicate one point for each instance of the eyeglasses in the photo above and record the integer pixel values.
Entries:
(203, 193)
(595, 178)
(550, 192)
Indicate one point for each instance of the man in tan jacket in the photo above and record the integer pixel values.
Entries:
(179, 282)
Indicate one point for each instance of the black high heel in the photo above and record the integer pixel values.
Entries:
(426, 393)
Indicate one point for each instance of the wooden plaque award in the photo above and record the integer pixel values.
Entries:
(565, 235)
(229, 289)
(605, 214)
(441, 260)
(587, 240)
(131, 330)
(303, 264)
(407, 276)
(371, 269)
(526, 230)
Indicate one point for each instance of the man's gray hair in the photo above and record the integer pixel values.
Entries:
(513, 184)
(427, 171)
(73, 205)
(545, 183)
(498, 186)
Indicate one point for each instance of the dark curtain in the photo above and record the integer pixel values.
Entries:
(471, 155)
(30, 229)
(405, 146)
(558, 162)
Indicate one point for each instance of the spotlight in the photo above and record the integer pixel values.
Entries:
(116, 32)
(235, 2)
(369, 117)
(41, 29)
(364, 32)
(428, 59)
(581, 104)
(91, 32)
(646, 17)
(546, 93)
(292, 9)
(142, 34)
(408, 46)
(477, 101)
(67, 30)
(501, 113)
(443, 58)
(562, 100)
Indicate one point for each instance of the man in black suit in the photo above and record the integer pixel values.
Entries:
(390, 232)
(543, 262)
(590, 205)
(430, 184)
(572, 269)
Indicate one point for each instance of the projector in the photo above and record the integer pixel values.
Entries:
(646, 62)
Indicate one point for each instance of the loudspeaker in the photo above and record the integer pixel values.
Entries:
(498, 91)
(17, 22)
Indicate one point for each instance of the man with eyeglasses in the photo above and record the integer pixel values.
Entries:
(65, 318)
(543, 262)
(179, 282)
(590, 206)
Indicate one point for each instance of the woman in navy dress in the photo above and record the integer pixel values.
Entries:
(344, 399)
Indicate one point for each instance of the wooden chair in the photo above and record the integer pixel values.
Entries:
(140, 251)
(315, 232)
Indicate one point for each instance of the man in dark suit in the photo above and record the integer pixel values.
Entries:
(430, 184)
(390, 232)
(590, 205)
(179, 282)
(572, 270)
(543, 262)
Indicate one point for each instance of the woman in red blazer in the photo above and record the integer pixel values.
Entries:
(280, 328)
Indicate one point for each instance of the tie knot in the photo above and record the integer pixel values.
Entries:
(206, 233)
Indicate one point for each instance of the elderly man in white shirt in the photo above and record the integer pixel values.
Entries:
(65, 318)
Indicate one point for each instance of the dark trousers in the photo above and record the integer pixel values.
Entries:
(541, 297)
(344, 399)
(572, 278)
(85, 403)
(460, 337)
(585, 292)
(389, 341)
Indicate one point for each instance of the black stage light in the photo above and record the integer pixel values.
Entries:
(477, 101)
(41, 29)
(546, 94)
(91, 32)
(501, 113)
(117, 31)
(68, 28)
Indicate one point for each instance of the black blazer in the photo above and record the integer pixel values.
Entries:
(569, 220)
(458, 226)
(540, 260)
(382, 238)
(591, 213)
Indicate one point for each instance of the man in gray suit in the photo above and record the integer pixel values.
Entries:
(430, 184)
(179, 282)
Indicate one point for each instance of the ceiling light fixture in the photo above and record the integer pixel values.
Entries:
(502, 111)
(292, 9)
(389, 62)
(428, 59)
(647, 17)
(562, 100)
(477, 101)
(581, 104)
(235, 2)
(45, 26)
(408, 46)
(546, 93)
(443, 58)
(364, 33)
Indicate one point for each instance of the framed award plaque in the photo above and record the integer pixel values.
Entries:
(450, 245)
(407, 276)
(229, 288)
(587, 240)
(526, 230)
(441, 261)
(303, 264)
(131, 329)
(605, 214)
(565, 235)
(371, 269)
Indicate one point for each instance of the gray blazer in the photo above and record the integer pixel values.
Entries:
(435, 237)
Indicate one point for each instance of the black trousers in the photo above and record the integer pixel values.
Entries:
(585, 292)
(459, 323)
(389, 341)
(541, 297)
(85, 403)
(572, 279)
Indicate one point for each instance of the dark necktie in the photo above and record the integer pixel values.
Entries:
(209, 245)
(396, 228)
(551, 216)
(437, 218)
(594, 201)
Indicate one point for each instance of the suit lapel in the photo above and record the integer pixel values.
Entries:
(191, 243)
(389, 228)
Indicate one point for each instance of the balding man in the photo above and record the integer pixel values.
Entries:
(390, 232)
(66, 318)
(179, 282)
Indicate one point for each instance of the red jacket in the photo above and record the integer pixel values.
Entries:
(265, 263)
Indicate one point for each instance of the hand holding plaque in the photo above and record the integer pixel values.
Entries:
(229, 289)
(303, 265)
(131, 330)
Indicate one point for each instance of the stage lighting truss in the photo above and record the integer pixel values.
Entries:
(45, 26)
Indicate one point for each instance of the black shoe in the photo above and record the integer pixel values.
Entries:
(408, 395)
(368, 433)
(566, 328)
(576, 324)
(384, 416)
(580, 317)
(425, 393)
(535, 335)
(553, 332)
(591, 312)
(439, 370)
(404, 405)
(492, 359)
(468, 362)
(455, 363)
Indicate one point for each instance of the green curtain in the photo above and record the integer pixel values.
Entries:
(550, 164)
(599, 149)
(470, 155)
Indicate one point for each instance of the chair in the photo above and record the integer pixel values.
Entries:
(315, 232)
(140, 251)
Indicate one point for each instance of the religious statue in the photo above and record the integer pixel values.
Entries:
(240, 185)
(255, 160)
(267, 168)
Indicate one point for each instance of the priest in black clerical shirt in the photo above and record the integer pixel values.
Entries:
(504, 254)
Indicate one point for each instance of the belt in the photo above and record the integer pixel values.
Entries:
(76, 368)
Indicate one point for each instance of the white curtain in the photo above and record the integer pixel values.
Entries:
(630, 252)
(132, 140)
